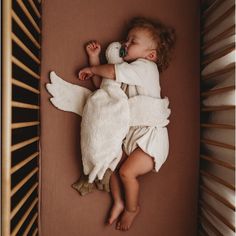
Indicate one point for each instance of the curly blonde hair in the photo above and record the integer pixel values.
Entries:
(163, 36)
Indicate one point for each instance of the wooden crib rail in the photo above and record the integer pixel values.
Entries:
(216, 172)
(20, 109)
(6, 118)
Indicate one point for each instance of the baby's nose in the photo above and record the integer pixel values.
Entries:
(126, 44)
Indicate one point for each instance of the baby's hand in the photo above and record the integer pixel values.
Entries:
(85, 73)
(93, 49)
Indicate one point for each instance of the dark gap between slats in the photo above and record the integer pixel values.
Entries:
(24, 77)
(23, 172)
(21, 154)
(24, 115)
(22, 134)
(25, 96)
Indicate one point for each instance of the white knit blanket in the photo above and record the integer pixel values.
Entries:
(107, 115)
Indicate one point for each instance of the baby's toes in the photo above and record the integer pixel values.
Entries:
(125, 227)
(118, 226)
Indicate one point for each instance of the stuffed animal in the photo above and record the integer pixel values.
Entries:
(107, 115)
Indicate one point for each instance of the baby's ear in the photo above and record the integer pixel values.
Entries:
(152, 55)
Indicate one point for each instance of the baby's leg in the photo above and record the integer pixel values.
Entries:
(118, 202)
(116, 192)
(138, 163)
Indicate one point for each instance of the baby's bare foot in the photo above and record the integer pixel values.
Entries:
(116, 210)
(127, 219)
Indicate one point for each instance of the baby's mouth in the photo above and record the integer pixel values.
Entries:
(123, 51)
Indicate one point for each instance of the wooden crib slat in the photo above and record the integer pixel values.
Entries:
(21, 222)
(227, 33)
(23, 200)
(24, 67)
(24, 105)
(25, 86)
(218, 162)
(217, 197)
(218, 20)
(214, 212)
(26, 31)
(24, 48)
(35, 232)
(219, 144)
(23, 144)
(26, 233)
(34, 8)
(217, 126)
(24, 124)
(217, 91)
(204, 219)
(23, 181)
(217, 108)
(217, 179)
(24, 162)
(230, 68)
(207, 59)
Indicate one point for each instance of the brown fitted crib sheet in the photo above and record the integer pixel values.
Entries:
(168, 198)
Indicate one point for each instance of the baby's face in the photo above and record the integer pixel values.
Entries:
(139, 44)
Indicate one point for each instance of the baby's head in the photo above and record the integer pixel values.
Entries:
(150, 40)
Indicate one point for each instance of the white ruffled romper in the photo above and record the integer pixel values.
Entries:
(141, 77)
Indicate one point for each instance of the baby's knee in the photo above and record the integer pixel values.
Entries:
(125, 173)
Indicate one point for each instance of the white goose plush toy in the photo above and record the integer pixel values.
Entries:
(107, 115)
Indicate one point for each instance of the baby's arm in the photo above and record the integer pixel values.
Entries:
(93, 50)
(107, 71)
